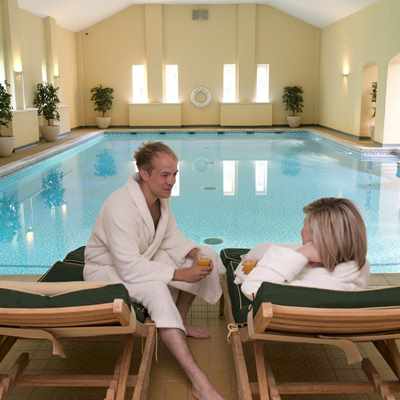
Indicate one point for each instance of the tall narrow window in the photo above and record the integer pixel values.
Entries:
(261, 174)
(229, 83)
(44, 72)
(262, 88)
(171, 76)
(229, 177)
(139, 84)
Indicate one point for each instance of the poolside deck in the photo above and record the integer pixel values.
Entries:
(306, 362)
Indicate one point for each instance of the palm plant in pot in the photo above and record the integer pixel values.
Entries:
(46, 100)
(102, 98)
(373, 94)
(7, 141)
(293, 100)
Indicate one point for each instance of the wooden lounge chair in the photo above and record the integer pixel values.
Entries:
(78, 310)
(290, 314)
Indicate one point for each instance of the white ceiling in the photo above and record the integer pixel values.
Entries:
(77, 15)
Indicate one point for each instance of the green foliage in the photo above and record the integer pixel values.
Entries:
(293, 99)
(5, 105)
(102, 98)
(52, 188)
(46, 100)
(373, 94)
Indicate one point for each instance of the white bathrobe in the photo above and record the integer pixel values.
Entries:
(125, 247)
(283, 264)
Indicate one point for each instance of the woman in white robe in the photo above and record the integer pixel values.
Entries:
(332, 256)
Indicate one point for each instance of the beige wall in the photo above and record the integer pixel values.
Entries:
(200, 48)
(33, 52)
(370, 36)
(2, 50)
(291, 47)
(107, 52)
(66, 48)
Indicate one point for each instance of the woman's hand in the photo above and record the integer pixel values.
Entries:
(310, 252)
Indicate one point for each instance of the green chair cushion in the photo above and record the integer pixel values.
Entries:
(63, 272)
(66, 272)
(76, 256)
(106, 294)
(298, 295)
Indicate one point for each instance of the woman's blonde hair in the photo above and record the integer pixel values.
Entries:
(337, 230)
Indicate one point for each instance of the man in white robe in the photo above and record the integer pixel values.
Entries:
(136, 242)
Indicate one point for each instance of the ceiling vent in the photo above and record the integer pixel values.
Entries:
(200, 14)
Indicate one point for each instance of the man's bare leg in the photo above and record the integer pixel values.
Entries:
(183, 304)
(176, 342)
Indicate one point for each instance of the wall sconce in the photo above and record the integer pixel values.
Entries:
(18, 74)
(345, 74)
(19, 94)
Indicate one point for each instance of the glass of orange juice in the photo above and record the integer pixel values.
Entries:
(248, 265)
(204, 262)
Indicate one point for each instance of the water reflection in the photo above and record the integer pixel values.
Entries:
(52, 188)
(291, 167)
(9, 219)
(261, 175)
(229, 174)
(105, 164)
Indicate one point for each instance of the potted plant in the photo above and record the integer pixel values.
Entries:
(46, 100)
(373, 94)
(7, 141)
(293, 100)
(102, 98)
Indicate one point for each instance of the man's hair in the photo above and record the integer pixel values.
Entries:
(145, 154)
(337, 230)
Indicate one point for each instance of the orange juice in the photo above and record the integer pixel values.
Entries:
(204, 262)
(248, 265)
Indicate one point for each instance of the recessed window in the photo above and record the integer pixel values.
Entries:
(229, 83)
(139, 84)
(44, 72)
(262, 87)
(171, 79)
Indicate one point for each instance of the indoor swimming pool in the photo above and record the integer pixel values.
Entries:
(233, 190)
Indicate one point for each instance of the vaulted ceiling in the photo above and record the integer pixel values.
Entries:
(77, 15)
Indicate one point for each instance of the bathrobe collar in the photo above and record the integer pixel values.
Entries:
(137, 196)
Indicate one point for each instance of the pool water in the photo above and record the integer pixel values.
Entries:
(236, 188)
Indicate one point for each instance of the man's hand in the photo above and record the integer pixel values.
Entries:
(195, 255)
(192, 274)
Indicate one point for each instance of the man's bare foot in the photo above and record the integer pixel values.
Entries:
(209, 394)
(197, 332)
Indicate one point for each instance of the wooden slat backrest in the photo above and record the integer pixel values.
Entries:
(326, 320)
(100, 314)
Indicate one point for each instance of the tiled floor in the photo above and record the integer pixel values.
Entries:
(294, 362)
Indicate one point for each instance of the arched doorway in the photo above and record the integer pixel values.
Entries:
(368, 100)
(391, 132)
